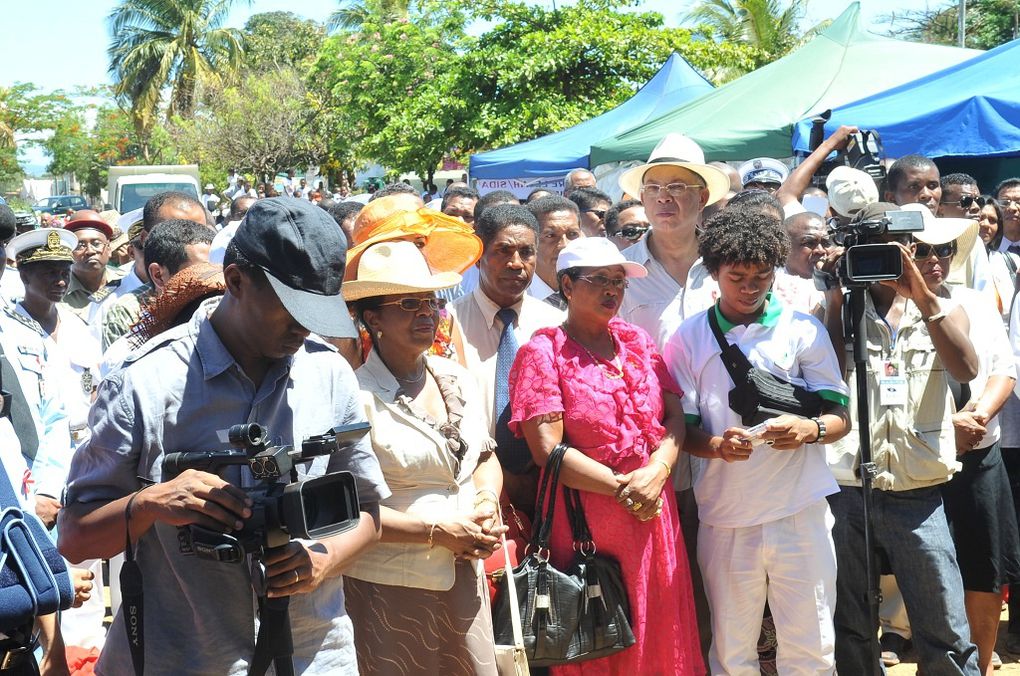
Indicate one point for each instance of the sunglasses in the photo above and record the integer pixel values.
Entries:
(633, 233)
(923, 251)
(601, 213)
(415, 304)
(604, 282)
(967, 201)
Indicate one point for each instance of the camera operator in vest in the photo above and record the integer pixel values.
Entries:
(917, 341)
(246, 357)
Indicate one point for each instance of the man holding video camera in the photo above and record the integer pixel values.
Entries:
(244, 358)
(916, 342)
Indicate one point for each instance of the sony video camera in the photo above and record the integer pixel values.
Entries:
(863, 151)
(313, 508)
(865, 262)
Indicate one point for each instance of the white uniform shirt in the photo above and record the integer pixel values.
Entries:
(771, 484)
(482, 330)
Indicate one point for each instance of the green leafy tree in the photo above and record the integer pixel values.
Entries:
(24, 110)
(537, 71)
(277, 39)
(764, 24)
(169, 43)
(386, 93)
(353, 13)
(261, 126)
(989, 23)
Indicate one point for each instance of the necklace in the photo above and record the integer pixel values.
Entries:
(616, 373)
(416, 379)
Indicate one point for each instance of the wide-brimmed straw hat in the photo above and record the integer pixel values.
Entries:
(677, 150)
(391, 268)
(941, 230)
(448, 244)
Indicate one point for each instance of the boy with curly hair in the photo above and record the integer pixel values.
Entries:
(765, 522)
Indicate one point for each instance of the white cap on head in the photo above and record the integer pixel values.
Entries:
(850, 190)
(596, 252)
(763, 170)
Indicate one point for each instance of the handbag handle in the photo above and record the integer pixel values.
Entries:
(545, 506)
(511, 591)
(578, 520)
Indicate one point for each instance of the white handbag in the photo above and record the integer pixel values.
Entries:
(511, 660)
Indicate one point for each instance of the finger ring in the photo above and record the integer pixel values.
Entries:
(297, 576)
(628, 502)
(637, 506)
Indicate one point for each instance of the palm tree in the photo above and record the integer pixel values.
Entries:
(353, 13)
(169, 43)
(762, 23)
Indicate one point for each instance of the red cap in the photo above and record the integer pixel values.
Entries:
(88, 219)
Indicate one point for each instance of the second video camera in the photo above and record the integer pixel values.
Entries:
(866, 262)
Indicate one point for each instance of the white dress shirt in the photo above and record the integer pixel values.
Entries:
(482, 330)
(539, 289)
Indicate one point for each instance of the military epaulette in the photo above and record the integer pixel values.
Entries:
(26, 321)
(100, 295)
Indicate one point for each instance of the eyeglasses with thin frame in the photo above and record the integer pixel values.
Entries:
(1006, 202)
(95, 244)
(601, 213)
(415, 304)
(604, 282)
(673, 189)
(923, 250)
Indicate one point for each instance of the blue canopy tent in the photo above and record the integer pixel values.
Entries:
(552, 156)
(971, 109)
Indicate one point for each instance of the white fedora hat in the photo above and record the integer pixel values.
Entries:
(678, 150)
(396, 267)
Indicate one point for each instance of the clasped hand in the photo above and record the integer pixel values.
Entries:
(640, 491)
(470, 537)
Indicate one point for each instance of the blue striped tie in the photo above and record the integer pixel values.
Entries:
(512, 452)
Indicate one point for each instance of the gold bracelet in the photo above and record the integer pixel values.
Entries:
(432, 530)
(480, 491)
(669, 470)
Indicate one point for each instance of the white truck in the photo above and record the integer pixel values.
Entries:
(130, 187)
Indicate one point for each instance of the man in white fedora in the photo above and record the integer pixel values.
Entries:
(674, 186)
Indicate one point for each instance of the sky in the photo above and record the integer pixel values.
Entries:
(60, 44)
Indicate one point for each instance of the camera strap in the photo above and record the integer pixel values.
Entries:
(131, 594)
(274, 643)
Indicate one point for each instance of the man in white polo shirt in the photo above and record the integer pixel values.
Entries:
(765, 530)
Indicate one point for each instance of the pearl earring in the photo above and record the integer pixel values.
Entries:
(378, 335)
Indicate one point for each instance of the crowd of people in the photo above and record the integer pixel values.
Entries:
(478, 336)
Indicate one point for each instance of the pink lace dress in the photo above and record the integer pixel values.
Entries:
(617, 421)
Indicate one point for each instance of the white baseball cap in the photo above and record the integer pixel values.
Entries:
(596, 252)
(850, 190)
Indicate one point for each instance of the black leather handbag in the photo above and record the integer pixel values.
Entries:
(757, 395)
(577, 614)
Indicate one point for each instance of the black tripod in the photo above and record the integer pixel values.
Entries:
(857, 331)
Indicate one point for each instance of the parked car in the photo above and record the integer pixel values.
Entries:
(59, 204)
(27, 220)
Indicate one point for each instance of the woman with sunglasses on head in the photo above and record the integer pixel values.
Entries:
(417, 600)
(597, 384)
(978, 501)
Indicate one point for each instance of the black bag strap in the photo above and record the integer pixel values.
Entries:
(733, 359)
(545, 505)
(575, 513)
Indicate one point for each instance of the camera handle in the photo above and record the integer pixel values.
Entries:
(858, 333)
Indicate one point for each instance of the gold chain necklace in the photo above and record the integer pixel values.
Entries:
(616, 373)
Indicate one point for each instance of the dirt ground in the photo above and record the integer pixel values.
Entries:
(1010, 661)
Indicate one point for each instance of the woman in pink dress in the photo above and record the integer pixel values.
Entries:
(597, 384)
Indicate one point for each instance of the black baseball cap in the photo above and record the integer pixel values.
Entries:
(302, 251)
